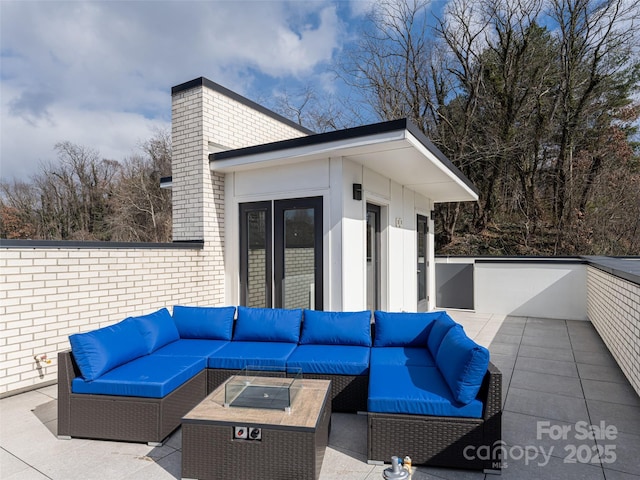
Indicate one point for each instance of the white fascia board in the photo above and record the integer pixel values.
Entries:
(473, 196)
(305, 153)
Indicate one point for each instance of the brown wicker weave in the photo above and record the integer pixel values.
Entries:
(111, 417)
(441, 441)
(285, 453)
(348, 392)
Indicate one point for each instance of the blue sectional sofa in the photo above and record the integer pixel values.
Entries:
(429, 391)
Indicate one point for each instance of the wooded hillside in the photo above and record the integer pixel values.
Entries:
(536, 102)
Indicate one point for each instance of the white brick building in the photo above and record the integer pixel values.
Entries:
(358, 200)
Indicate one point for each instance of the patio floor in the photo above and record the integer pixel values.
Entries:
(559, 379)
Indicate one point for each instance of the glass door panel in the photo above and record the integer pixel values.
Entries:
(298, 262)
(373, 257)
(422, 230)
(255, 254)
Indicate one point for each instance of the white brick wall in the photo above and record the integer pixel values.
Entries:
(46, 294)
(613, 307)
(202, 115)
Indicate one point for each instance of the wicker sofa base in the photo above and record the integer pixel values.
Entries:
(443, 441)
(348, 392)
(112, 417)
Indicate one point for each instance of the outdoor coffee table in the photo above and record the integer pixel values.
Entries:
(222, 440)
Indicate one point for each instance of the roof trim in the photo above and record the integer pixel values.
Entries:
(348, 134)
(205, 82)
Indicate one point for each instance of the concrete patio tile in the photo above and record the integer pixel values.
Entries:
(514, 320)
(601, 372)
(168, 467)
(564, 355)
(578, 324)
(507, 339)
(50, 391)
(546, 323)
(510, 349)
(548, 340)
(546, 382)
(434, 473)
(611, 474)
(349, 434)
(595, 358)
(556, 469)
(625, 448)
(541, 365)
(511, 329)
(503, 362)
(546, 405)
(97, 459)
(30, 474)
(610, 392)
(13, 467)
(624, 417)
(586, 333)
(541, 435)
(340, 465)
(583, 343)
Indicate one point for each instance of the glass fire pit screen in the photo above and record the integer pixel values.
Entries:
(262, 387)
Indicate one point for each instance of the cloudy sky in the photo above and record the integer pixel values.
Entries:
(99, 73)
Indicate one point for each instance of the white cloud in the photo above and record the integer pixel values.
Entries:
(100, 73)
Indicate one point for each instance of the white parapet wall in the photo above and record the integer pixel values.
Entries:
(48, 293)
(614, 309)
(520, 286)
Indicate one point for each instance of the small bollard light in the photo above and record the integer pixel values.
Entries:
(395, 471)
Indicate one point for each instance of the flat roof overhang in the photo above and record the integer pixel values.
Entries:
(396, 150)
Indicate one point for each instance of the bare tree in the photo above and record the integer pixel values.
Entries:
(141, 209)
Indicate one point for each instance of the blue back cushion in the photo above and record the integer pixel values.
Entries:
(104, 349)
(157, 329)
(403, 329)
(210, 323)
(336, 328)
(439, 329)
(267, 325)
(463, 364)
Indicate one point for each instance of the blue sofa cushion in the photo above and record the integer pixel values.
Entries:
(419, 357)
(463, 364)
(106, 348)
(212, 323)
(403, 329)
(439, 329)
(191, 347)
(238, 355)
(267, 325)
(150, 376)
(336, 328)
(330, 359)
(416, 391)
(157, 328)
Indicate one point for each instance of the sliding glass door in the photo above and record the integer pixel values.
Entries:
(282, 266)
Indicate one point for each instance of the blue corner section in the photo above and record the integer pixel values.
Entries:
(415, 390)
